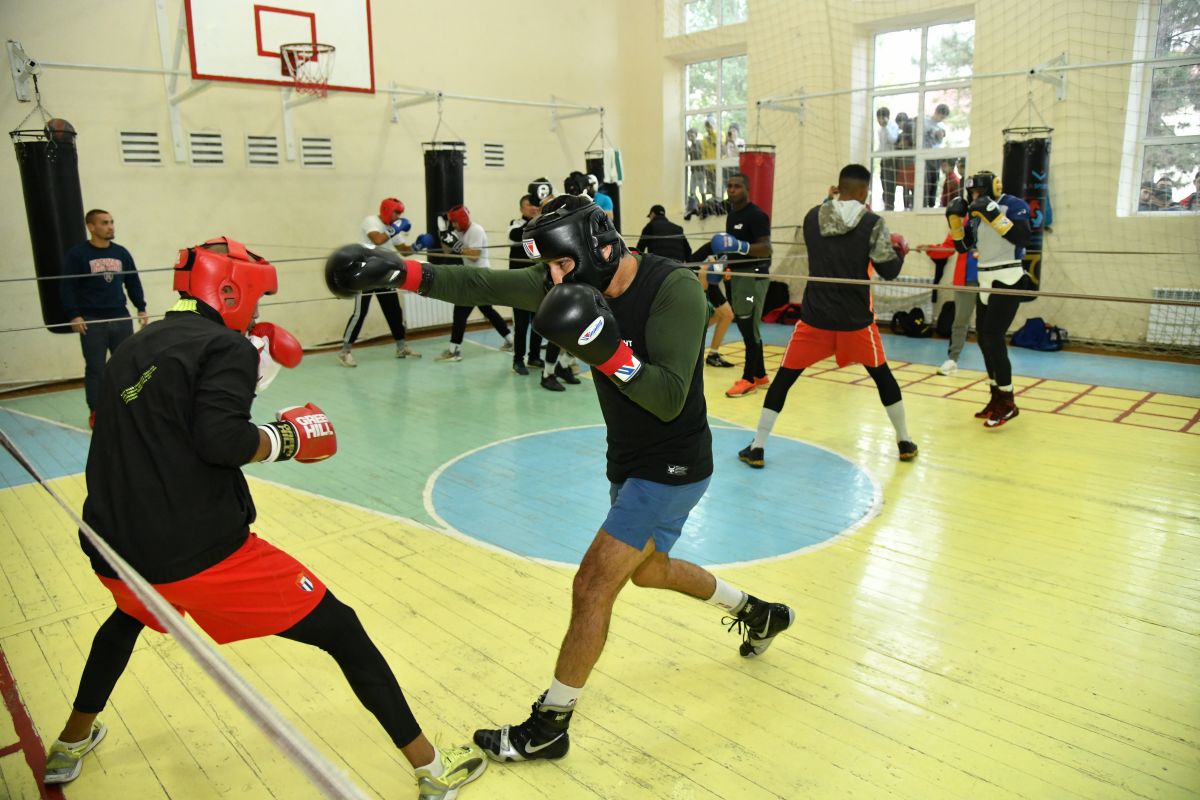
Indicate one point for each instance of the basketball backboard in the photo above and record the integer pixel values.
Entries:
(238, 40)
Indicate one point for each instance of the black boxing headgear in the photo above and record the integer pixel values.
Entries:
(575, 183)
(540, 190)
(987, 182)
(579, 233)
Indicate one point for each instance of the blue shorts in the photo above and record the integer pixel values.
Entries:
(642, 508)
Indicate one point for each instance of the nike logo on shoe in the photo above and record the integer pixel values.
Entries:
(530, 749)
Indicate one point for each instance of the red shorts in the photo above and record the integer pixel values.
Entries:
(810, 345)
(259, 590)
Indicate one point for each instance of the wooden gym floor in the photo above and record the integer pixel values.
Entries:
(1016, 614)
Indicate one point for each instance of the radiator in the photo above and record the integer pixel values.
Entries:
(893, 296)
(1176, 325)
(424, 312)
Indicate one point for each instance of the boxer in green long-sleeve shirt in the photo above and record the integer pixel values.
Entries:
(639, 321)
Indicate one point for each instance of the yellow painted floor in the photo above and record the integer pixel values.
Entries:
(1021, 620)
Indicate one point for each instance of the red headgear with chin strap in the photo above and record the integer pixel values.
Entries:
(460, 216)
(226, 276)
(388, 208)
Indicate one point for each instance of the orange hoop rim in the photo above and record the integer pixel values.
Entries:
(297, 55)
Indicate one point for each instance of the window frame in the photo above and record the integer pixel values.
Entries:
(720, 8)
(722, 165)
(1141, 91)
(921, 87)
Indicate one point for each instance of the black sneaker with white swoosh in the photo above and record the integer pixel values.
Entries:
(759, 623)
(543, 735)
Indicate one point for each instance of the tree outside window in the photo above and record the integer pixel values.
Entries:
(920, 114)
(703, 15)
(1170, 163)
(714, 131)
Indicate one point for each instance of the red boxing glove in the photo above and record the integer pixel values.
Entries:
(276, 348)
(300, 432)
(900, 245)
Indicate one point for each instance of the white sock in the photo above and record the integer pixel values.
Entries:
(454, 347)
(508, 338)
(435, 767)
(766, 421)
(895, 413)
(400, 345)
(561, 695)
(73, 745)
(727, 597)
(1007, 388)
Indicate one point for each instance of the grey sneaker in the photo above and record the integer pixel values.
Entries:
(406, 352)
(507, 346)
(450, 355)
(460, 766)
(347, 359)
(759, 623)
(64, 763)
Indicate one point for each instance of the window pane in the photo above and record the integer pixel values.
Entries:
(699, 15)
(702, 84)
(900, 108)
(734, 11)
(898, 57)
(951, 171)
(1178, 31)
(702, 144)
(1170, 171)
(734, 141)
(949, 120)
(892, 183)
(1174, 93)
(951, 51)
(733, 81)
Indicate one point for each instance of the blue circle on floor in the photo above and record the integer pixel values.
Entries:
(544, 495)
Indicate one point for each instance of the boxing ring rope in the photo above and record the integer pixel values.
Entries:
(328, 778)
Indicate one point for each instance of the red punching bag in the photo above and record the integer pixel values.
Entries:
(757, 163)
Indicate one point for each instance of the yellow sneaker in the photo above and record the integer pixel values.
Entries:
(460, 765)
(63, 763)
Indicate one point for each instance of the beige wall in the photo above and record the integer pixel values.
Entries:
(607, 53)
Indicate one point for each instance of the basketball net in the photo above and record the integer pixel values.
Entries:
(309, 64)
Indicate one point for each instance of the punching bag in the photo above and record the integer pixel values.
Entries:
(757, 163)
(49, 165)
(594, 163)
(443, 187)
(1025, 174)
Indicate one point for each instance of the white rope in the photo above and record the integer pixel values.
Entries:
(323, 774)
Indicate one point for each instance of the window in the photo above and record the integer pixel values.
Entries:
(1169, 127)
(714, 130)
(920, 106)
(701, 15)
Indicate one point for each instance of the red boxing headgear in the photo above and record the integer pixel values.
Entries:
(460, 217)
(388, 208)
(225, 275)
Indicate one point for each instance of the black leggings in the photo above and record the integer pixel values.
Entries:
(332, 626)
(992, 321)
(885, 383)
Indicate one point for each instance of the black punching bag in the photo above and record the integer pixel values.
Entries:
(443, 188)
(1026, 174)
(49, 165)
(594, 162)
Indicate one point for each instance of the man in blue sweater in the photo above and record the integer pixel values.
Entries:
(97, 274)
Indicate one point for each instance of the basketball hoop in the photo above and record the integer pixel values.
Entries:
(309, 64)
